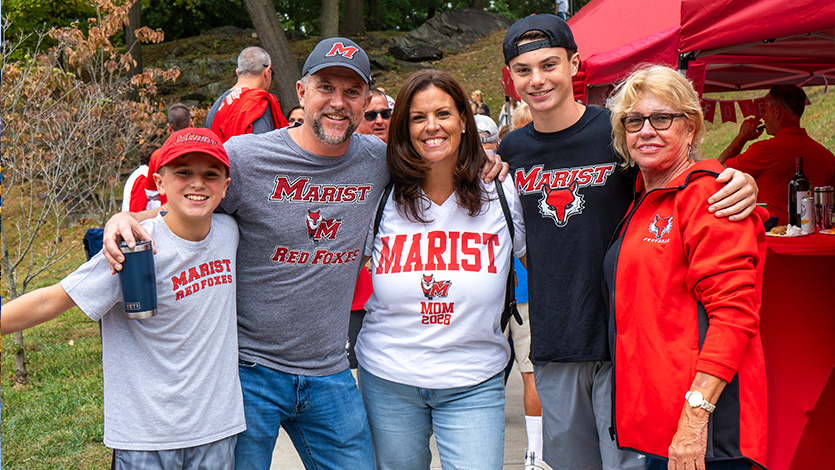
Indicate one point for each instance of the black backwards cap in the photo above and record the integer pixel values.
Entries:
(558, 32)
(338, 52)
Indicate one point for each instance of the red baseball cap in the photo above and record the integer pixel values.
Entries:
(193, 140)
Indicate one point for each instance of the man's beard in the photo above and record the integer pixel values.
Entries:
(316, 125)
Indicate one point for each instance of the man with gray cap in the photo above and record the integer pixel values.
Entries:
(573, 196)
(303, 198)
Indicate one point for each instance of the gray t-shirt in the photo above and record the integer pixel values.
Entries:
(170, 381)
(259, 126)
(303, 220)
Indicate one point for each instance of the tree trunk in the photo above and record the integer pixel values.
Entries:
(132, 45)
(20, 374)
(329, 19)
(352, 18)
(272, 38)
(478, 4)
(373, 8)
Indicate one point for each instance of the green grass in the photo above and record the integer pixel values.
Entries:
(55, 421)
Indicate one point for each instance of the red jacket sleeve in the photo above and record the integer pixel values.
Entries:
(725, 274)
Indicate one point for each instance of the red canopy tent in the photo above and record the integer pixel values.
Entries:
(725, 45)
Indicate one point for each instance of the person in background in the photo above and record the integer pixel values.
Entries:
(504, 115)
(688, 359)
(487, 132)
(172, 397)
(772, 162)
(179, 118)
(431, 352)
(133, 195)
(573, 197)
(389, 99)
(248, 107)
(478, 104)
(296, 116)
(377, 116)
(561, 9)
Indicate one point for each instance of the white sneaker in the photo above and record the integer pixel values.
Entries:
(532, 462)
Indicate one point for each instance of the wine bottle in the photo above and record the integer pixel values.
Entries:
(799, 187)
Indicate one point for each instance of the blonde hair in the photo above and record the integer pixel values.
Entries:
(479, 97)
(521, 116)
(668, 85)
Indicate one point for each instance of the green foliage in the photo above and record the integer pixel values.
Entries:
(187, 18)
(26, 16)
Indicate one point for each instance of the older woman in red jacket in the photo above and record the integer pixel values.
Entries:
(685, 291)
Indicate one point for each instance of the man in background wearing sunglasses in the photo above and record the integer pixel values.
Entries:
(377, 116)
(248, 107)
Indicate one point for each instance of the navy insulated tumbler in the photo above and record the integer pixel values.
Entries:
(138, 280)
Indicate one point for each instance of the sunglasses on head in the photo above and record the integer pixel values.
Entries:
(372, 115)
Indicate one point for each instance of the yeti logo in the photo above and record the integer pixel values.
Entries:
(319, 228)
(561, 203)
(432, 288)
(660, 225)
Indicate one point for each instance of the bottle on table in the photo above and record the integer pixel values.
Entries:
(799, 187)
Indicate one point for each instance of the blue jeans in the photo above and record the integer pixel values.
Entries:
(468, 423)
(323, 416)
(654, 463)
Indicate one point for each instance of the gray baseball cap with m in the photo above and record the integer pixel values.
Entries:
(338, 52)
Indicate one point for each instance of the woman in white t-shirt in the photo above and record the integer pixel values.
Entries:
(431, 353)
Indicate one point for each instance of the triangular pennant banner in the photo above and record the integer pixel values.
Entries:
(748, 108)
(709, 109)
(728, 111)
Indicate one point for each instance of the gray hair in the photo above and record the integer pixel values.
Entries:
(252, 61)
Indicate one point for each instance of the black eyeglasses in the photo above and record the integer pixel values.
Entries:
(372, 115)
(634, 122)
(272, 72)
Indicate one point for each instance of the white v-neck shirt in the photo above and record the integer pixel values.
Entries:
(439, 290)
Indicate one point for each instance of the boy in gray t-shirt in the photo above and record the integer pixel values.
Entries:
(171, 390)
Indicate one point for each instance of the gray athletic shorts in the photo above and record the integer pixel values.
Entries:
(218, 455)
(576, 415)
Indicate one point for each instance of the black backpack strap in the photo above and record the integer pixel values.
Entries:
(510, 292)
(381, 206)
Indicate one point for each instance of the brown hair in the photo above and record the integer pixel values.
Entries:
(408, 168)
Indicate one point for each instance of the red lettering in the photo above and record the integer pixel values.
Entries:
(491, 240)
(525, 181)
(280, 253)
(437, 246)
(303, 257)
(179, 281)
(466, 238)
(453, 251)
(328, 193)
(603, 172)
(192, 275)
(284, 189)
(390, 257)
(204, 270)
(413, 260)
(180, 295)
(560, 179)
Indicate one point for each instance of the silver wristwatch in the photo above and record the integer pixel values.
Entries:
(696, 400)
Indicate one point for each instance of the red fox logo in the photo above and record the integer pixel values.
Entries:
(319, 227)
(432, 288)
(339, 48)
(660, 225)
(561, 203)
